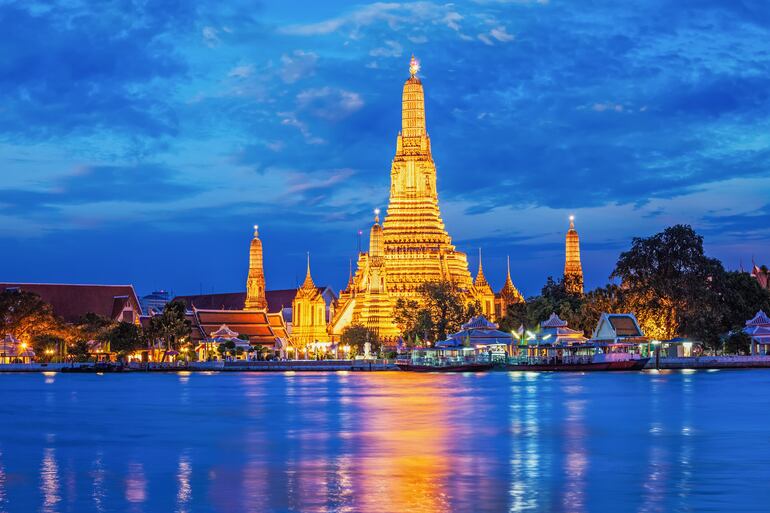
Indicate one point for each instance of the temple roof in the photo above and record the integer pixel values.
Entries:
(72, 301)
(553, 322)
(760, 319)
(509, 292)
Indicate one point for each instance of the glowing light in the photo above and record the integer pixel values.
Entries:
(414, 66)
(376, 211)
(571, 218)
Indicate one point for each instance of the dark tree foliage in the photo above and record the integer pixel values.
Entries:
(357, 335)
(171, 326)
(666, 278)
(442, 310)
(125, 338)
(26, 316)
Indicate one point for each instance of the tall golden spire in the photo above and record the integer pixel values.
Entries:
(376, 247)
(573, 269)
(509, 293)
(308, 283)
(255, 282)
(481, 281)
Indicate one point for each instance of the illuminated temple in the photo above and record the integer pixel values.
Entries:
(573, 269)
(411, 246)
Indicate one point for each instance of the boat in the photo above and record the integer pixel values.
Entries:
(95, 368)
(584, 357)
(407, 365)
(454, 358)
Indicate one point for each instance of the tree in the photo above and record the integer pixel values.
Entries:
(79, 351)
(357, 335)
(93, 326)
(25, 316)
(667, 277)
(172, 325)
(125, 338)
(48, 346)
(441, 310)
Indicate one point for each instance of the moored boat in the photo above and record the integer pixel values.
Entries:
(407, 365)
(581, 358)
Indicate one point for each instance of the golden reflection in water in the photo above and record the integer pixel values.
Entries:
(49, 377)
(524, 459)
(406, 447)
(49, 480)
(184, 488)
(98, 478)
(576, 460)
(136, 483)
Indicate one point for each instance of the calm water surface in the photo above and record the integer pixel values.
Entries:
(394, 442)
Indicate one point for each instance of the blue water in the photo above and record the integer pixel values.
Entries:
(391, 442)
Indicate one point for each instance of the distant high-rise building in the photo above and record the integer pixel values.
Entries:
(155, 302)
(573, 270)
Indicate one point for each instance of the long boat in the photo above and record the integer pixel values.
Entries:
(581, 358)
(561, 366)
(408, 365)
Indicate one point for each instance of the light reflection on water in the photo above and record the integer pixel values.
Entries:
(354, 442)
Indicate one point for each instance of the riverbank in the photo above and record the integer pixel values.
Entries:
(219, 366)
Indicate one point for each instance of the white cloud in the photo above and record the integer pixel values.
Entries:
(501, 34)
(297, 65)
(390, 49)
(329, 103)
(485, 39)
(210, 36)
(242, 71)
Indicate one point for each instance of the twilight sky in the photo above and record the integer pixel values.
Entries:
(141, 140)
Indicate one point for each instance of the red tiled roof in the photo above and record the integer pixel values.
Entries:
(71, 301)
(252, 323)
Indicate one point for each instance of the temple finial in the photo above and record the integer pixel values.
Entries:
(508, 276)
(376, 215)
(256, 230)
(480, 266)
(571, 222)
(414, 66)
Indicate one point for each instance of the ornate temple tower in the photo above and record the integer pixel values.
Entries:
(308, 313)
(573, 270)
(484, 292)
(508, 295)
(418, 248)
(412, 246)
(255, 283)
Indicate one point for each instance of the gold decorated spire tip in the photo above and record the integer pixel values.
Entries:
(376, 215)
(256, 230)
(571, 222)
(414, 66)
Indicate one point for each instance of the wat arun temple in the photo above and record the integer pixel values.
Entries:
(408, 248)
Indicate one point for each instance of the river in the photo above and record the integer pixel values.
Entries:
(385, 442)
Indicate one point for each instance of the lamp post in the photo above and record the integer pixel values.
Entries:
(656, 344)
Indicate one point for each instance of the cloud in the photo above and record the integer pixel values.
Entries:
(501, 34)
(297, 65)
(329, 103)
(241, 71)
(390, 49)
(210, 36)
(67, 70)
(141, 183)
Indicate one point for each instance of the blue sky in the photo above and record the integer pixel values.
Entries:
(140, 141)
